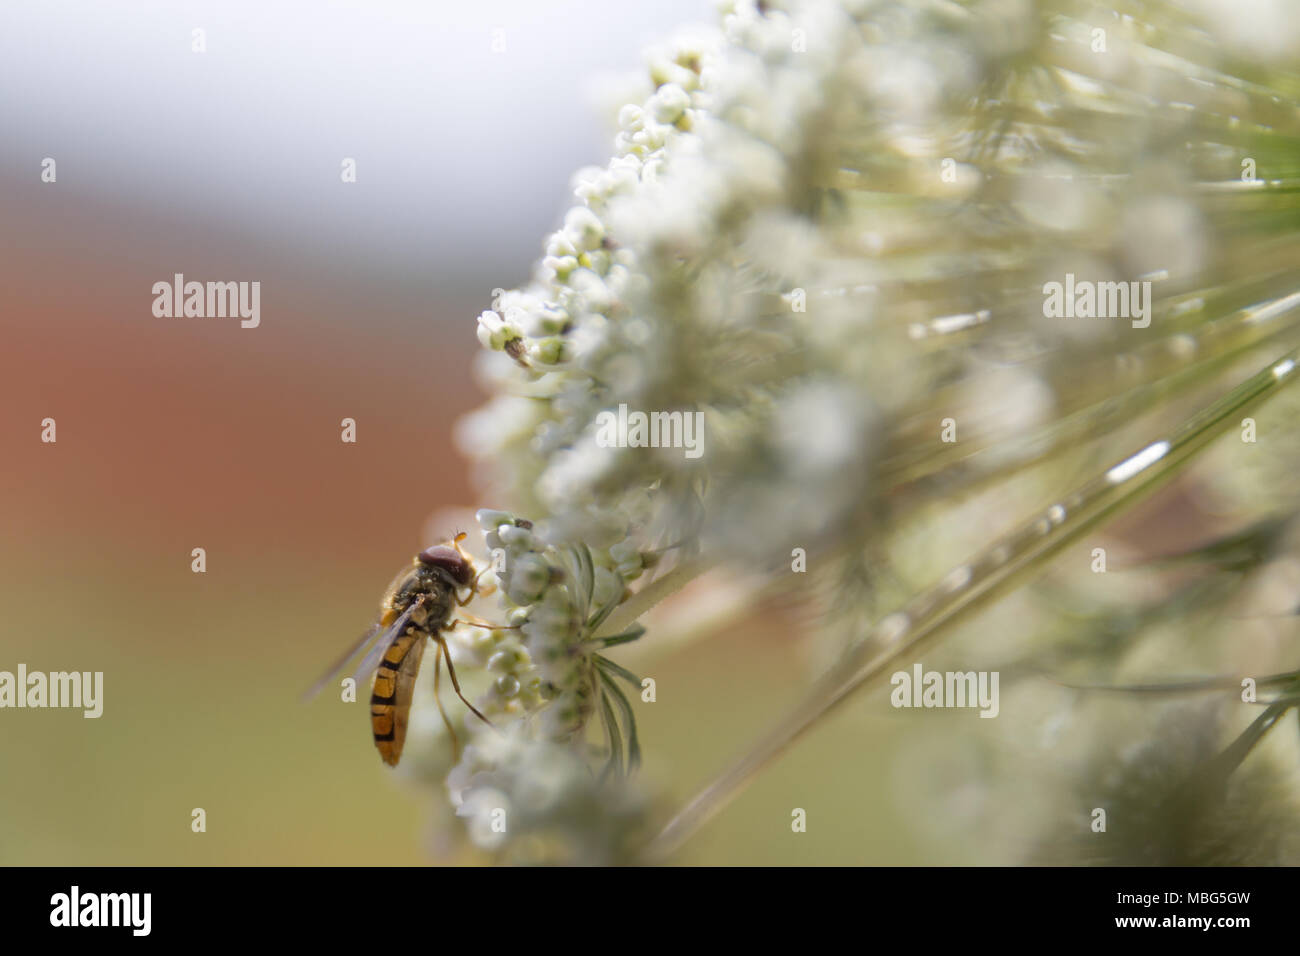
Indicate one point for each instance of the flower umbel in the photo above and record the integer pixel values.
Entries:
(830, 229)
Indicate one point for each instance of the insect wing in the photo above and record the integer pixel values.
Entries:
(342, 662)
(395, 630)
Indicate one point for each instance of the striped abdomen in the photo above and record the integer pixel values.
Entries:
(390, 702)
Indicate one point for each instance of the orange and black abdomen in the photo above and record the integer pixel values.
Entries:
(390, 702)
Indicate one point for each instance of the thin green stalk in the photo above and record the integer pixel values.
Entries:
(1021, 554)
(626, 614)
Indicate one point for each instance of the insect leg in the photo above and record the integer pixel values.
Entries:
(437, 696)
(473, 592)
(475, 589)
(451, 669)
(473, 621)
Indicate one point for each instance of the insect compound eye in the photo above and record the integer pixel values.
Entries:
(450, 560)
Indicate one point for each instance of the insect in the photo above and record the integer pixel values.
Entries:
(417, 606)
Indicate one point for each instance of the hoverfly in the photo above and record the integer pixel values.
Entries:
(418, 605)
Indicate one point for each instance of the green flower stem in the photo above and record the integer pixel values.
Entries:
(1171, 366)
(627, 613)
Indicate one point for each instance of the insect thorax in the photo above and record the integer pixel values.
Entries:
(437, 588)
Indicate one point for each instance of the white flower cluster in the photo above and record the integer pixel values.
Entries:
(549, 682)
(663, 292)
(828, 227)
(827, 232)
(554, 606)
(536, 802)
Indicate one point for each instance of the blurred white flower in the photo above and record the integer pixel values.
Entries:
(827, 230)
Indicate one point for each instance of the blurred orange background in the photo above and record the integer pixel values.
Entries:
(180, 433)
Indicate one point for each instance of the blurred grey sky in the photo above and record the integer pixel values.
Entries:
(464, 155)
